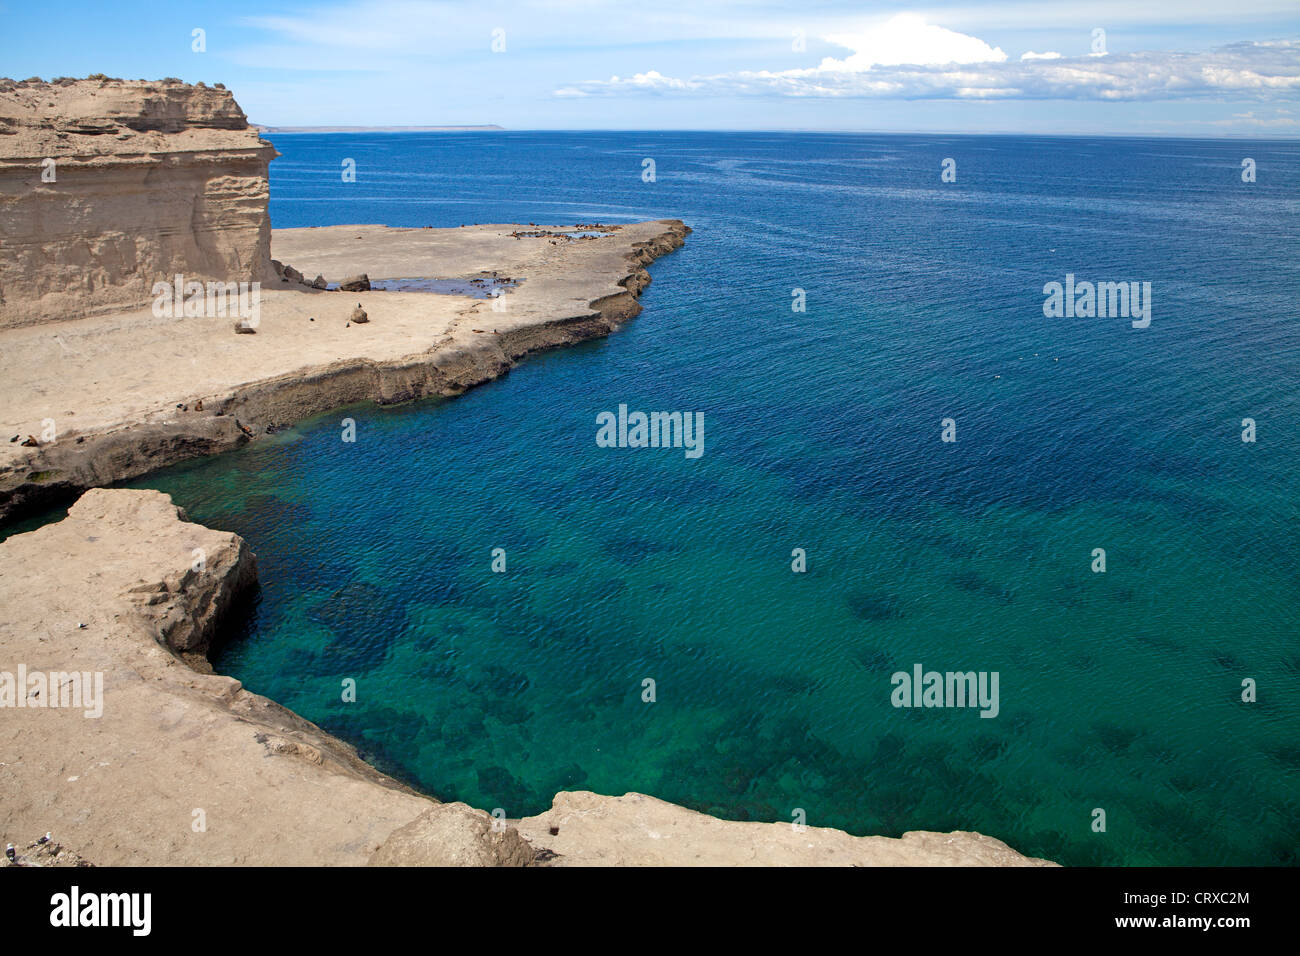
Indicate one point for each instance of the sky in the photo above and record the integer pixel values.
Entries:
(1186, 68)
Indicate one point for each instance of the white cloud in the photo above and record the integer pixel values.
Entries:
(1083, 14)
(1260, 71)
(907, 38)
(1031, 55)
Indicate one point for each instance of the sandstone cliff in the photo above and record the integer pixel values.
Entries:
(108, 186)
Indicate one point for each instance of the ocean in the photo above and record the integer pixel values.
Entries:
(773, 692)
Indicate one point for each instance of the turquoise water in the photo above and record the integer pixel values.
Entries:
(1119, 691)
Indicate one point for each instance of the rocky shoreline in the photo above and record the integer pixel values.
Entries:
(88, 455)
(113, 588)
(186, 767)
(117, 739)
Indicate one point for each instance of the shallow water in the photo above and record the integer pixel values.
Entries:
(474, 288)
(1118, 691)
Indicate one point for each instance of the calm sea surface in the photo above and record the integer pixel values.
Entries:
(1118, 690)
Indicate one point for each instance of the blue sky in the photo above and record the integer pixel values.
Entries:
(1189, 68)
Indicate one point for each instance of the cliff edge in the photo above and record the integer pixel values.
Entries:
(120, 741)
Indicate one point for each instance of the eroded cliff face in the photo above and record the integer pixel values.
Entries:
(108, 186)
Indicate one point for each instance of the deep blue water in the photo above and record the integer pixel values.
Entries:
(1119, 691)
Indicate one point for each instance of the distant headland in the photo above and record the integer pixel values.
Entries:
(488, 128)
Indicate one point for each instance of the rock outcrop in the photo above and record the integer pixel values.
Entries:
(453, 834)
(180, 766)
(110, 186)
(587, 829)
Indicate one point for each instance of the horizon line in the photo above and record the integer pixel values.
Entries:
(495, 128)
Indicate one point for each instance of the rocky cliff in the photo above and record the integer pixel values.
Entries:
(129, 748)
(108, 186)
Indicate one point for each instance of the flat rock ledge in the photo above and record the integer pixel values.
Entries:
(129, 393)
(186, 767)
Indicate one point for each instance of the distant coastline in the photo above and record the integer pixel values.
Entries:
(488, 128)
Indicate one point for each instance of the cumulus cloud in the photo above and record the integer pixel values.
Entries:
(909, 59)
(907, 38)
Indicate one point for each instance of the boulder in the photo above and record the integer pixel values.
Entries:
(359, 315)
(453, 834)
(359, 283)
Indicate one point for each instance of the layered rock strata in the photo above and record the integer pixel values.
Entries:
(110, 186)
